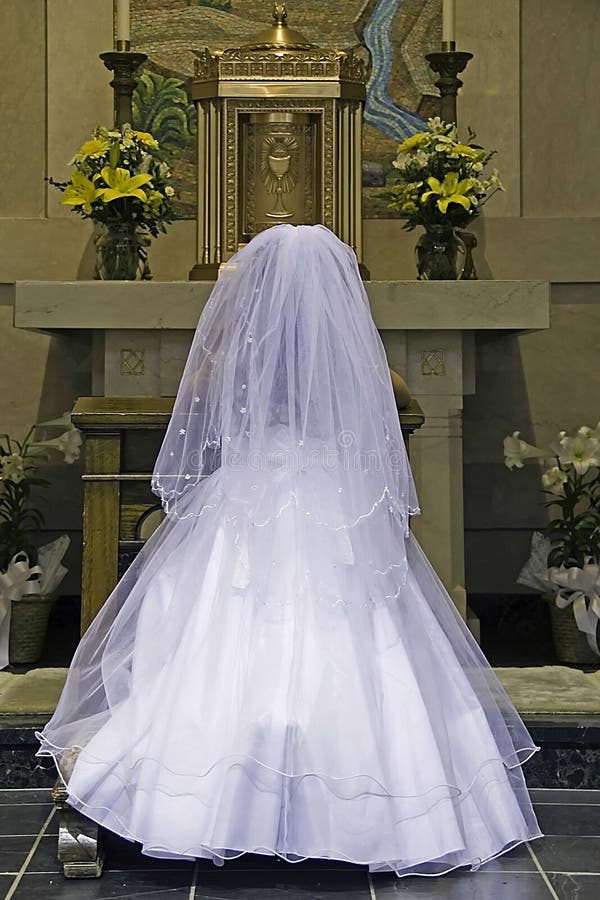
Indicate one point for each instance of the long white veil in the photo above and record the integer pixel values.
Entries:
(286, 392)
(286, 358)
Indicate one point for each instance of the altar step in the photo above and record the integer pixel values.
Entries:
(569, 755)
(560, 705)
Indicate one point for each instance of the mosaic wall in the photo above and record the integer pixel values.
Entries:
(392, 36)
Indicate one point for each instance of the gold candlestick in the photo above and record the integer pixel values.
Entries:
(124, 64)
(448, 63)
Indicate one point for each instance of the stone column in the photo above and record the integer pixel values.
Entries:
(436, 458)
(438, 376)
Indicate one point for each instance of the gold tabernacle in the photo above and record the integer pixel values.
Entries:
(279, 140)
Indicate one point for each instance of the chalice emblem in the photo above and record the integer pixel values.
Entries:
(279, 171)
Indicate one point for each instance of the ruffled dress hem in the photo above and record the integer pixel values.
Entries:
(107, 818)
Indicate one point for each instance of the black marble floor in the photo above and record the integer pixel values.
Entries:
(564, 865)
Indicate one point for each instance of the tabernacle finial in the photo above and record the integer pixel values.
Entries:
(280, 14)
(279, 36)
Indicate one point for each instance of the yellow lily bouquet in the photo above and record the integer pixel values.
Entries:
(121, 180)
(439, 180)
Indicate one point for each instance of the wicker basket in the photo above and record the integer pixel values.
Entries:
(569, 642)
(28, 626)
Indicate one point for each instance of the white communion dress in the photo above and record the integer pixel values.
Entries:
(280, 671)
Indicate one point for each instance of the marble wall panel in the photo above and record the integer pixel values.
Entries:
(559, 250)
(493, 559)
(490, 103)
(537, 383)
(550, 249)
(23, 79)
(79, 95)
(560, 71)
(174, 348)
(41, 376)
(172, 255)
(395, 349)
(38, 249)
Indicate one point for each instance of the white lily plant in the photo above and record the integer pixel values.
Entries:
(565, 559)
(20, 464)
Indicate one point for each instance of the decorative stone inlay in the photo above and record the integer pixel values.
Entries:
(132, 361)
(433, 362)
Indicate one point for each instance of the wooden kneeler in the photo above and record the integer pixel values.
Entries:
(79, 848)
(79, 838)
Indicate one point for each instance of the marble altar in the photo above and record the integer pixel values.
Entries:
(142, 332)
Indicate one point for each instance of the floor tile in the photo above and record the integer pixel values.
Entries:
(52, 827)
(124, 855)
(44, 858)
(568, 819)
(517, 860)
(569, 853)
(260, 861)
(25, 795)
(5, 883)
(576, 887)
(479, 885)
(121, 856)
(24, 818)
(283, 883)
(13, 852)
(564, 795)
(139, 885)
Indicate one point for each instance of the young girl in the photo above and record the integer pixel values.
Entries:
(281, 671)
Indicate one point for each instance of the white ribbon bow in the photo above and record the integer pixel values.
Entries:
(581, 587)
(14, 584)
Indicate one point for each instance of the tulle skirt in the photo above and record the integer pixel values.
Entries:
(210, 713)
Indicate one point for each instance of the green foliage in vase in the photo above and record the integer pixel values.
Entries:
(161, 107)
